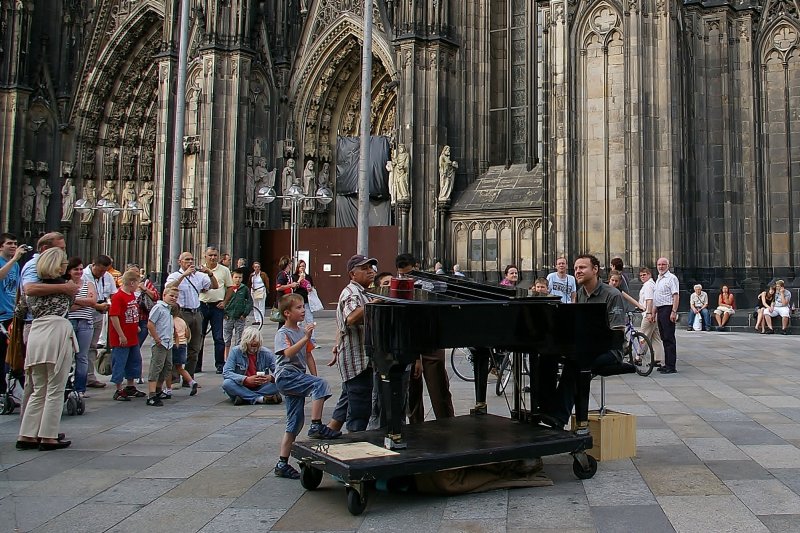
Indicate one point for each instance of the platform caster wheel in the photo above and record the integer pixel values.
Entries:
(80, 406)
(356, 502)
(584, 473)
(310, 477)
(72, 406)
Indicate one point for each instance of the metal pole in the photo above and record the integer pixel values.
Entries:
(177, 143)
(363, 163)
(295, 229)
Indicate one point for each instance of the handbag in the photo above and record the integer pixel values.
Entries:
(260, 293)
(146, 302)
(103, 362)
(275, 315)
(314, 303)
(15, 355)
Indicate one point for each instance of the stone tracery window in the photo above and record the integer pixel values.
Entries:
(509, 31)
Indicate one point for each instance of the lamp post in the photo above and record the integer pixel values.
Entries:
(109, 210)
(296, 195)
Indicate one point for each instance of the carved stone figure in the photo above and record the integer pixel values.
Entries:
(43, 193)
(90, 195)
(28, 199)
(250, 184)
(288, 178)
(324, 177)
(400, 163)
(145, 203)
(309, 185)
(108, 193)
(128, 195)
(67, 200)
(447, 172)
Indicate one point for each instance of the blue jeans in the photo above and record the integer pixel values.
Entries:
(705, 316)
(143, 333)
(126, 363)
(84, 328)
(295, 386)
(355, 403)
(215, 316)
(233, 390)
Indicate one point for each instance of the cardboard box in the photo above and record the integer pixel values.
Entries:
(613, 435)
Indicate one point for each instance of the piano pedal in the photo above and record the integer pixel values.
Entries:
(479, 409)
(394, 441)
(583, 429)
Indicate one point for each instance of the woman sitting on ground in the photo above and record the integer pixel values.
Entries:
(765, 300)
(726, 307)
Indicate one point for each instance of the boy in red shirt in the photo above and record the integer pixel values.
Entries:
(126, 359)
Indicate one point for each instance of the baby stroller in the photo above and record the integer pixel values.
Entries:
(73, 402)
(12, 398)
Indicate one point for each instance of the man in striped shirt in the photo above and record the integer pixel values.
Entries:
(355, 403)
(665, 299)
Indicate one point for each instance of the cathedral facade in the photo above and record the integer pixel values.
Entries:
(630, 128)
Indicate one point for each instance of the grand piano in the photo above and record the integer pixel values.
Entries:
(451, 312)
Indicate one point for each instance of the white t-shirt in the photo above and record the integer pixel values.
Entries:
(562, 287)
(646, 292)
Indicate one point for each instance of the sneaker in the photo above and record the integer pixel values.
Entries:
(133, 392)
(194, 389)
(121, 396)
(238, 401)
(273, 399)
(154, 401)
(164, 395)
(286, 470)
(321, 431)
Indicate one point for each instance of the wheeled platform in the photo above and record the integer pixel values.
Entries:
(469, 440)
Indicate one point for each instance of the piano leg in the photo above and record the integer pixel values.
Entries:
(582, 392)
(480, 363)
(392, 398)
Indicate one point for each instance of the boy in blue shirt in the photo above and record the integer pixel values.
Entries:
(293, 348)
(161, 329)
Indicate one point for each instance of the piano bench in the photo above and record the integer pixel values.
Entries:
(610, 370)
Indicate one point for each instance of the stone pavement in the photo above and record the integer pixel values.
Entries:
(718, 450)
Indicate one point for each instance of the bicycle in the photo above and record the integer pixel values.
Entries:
(500, 364)
(637, 348)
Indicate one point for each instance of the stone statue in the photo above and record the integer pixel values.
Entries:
(128, 195)
(90, 195)
(67, 200)
(28, 199)
(145, 203)
(447, 172)
(43, 193)
(309, 185)
(108, 193)
(287, 180)
(257, 148)
(324, 177)
(398, 175)
(250, 184)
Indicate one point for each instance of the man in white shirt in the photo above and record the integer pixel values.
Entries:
(191, 282)
(212, 308)
(561, 284)
(649, 326)
(666, 298)
(98, 275)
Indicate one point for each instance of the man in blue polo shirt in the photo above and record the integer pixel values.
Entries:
(10, 254)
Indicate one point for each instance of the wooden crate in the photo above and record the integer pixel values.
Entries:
(613, 435)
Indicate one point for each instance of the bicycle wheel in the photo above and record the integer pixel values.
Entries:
(641, 349)
(503, 374)
(258, 318)
(461, 361)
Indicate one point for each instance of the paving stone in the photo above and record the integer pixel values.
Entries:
(665, 455)
(182, 465)
(44, 465)
(656, 437)
(617, 488)
(558, 512)
(24, 513)
(619, 518)
(397, 513)
(279, 493)
(123, 462)
(329, 512)
(773, 456)
(765, 496)
(218, 482)
(747, 433)
(720, 514)
(738, 470)
(242, 520)
(136, 491)
(77, 483)
(722, 415)
(493, 504)
(89, 518)
(715, 449)
(787, 523)
(778, 401)
(678, 480)
(789, 476)
(688, 426)
(194, 514)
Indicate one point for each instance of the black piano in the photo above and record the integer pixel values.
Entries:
(451, 312)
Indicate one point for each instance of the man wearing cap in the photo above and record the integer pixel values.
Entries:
(355, 403)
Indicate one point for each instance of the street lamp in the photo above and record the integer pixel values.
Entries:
(295, 193)
(109, 210)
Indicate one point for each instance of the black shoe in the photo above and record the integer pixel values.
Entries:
(689, 329)
(770, 331)
(27, 445)
(662, 369)
(155, 401)
(133, 392)
(219, 371)
(194, 389)
(666, 370)
(47, 446)
(784, 331)
(550, 421)
(238, 401)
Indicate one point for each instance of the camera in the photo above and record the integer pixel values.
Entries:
(26, 248)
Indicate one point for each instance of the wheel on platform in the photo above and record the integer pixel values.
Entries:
(461, 361)
(356, 502)
(80, 406)
(310, 477)
(71, 406)
(579, 471)
(503, 375)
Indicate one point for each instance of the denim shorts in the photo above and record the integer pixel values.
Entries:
(295, 386)
(179, 354)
